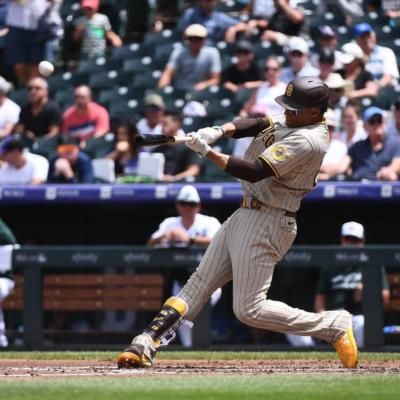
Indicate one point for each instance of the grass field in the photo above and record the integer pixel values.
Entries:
(198, 375)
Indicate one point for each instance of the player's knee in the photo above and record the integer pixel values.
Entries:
(244, 314)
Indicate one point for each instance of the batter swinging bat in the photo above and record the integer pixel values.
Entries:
(155, 140)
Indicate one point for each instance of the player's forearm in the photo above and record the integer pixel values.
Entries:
(239, 168)
(246, 127)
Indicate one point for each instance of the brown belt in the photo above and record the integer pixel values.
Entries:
(248, 202)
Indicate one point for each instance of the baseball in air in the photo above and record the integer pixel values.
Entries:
(46, 68)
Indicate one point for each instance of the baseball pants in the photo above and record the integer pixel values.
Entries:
(246, 250)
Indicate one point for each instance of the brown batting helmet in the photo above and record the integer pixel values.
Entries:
(303, 93)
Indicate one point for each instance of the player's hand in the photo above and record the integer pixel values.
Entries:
(211, 134)
(198, 144)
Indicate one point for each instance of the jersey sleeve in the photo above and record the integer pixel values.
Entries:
(287, 154)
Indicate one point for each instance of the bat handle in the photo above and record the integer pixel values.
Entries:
(182, 139)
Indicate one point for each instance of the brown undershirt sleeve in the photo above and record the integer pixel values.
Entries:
(248, 171)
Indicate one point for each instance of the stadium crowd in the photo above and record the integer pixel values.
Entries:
(169, 67)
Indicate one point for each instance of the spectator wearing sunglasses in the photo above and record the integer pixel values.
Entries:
(40, 117)
(375, 158)
(263, 98)
(187, 229)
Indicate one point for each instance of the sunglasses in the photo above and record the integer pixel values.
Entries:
(375, 121)
(30, 88)
(296, 53)
(190, 204)
(352, 239)
(271, 69)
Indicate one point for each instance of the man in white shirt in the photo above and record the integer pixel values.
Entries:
(154, 108)
(189, 228)
(9, 110)
(21, 168)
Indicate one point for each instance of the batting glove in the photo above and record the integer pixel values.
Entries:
(198, 144)
(211, 134)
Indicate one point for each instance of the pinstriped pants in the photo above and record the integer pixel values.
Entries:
(246, 250)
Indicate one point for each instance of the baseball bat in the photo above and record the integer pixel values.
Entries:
(155, 140)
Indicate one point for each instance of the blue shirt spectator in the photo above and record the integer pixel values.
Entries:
(216, 22)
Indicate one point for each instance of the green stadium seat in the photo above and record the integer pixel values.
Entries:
(60, 81)
(64, 98)
(103, 80)
(190, 124)
(101, 146)
(20, 96)
(45, 147)
(221, 108)
(126, 52)
(125, 109)
(212, 92)
(137, 65)
(146, 80)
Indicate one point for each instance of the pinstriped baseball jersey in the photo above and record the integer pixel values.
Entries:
(295, 155)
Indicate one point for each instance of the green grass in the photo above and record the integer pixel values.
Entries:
(288, 387)
(191, 355)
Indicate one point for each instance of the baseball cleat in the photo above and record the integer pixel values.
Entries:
(346, 348)
(134, 357)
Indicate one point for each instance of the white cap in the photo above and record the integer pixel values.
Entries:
(299, 44)
(330, 118)
(349, 52)
(196, 30)
(188, 193)
(353, 229)
(335, 81)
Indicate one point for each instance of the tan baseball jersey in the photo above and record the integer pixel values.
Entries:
(295, 155)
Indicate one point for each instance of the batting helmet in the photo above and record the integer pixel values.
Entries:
(303, 93)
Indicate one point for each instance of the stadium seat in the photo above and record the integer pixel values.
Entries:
(20, 96)
(103, 80)
(45, 147)
(60, 81)
(212, 92)
(99, 147)
(146, 80)
(138, 64)
(127, 52)
(64, 98)
(220, 108)
(190, 124)
(125, 109)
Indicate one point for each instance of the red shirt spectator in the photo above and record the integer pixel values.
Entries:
(86, 118)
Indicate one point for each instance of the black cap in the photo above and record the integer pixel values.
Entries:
(303, 93)
(10, 143)
(327, 55)
(244, 46)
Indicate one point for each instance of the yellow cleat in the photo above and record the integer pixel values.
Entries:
(133, 357)
(346, 348)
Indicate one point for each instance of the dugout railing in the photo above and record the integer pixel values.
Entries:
(32, 261)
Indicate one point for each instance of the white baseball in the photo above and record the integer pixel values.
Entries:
(46, 68)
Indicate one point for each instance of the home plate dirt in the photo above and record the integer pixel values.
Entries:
(14, 369)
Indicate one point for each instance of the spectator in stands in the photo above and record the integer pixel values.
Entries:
(9, 110)
(94, 30)
(70, 165)
(381, 61)
(195, 66)
(40, 117)
(276, 19)
(125, 154)
(375, 158)
(352, 125)
(342, 287)
(326, 63)
(263, 97)
(188, 228)
(154, 108)
(7, 244)
(346, 9)
(391, 8)
(20, 167)
(219, 25)
(23, 49)
(244, 73)
(393, 128)
(337, 97)
(180, 164)
(298, 52)
(361, 81)
(86, 118)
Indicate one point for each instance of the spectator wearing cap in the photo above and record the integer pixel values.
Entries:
(337, 94)
(154, 108)
(220, 26)
(86, 118)
(264, 96)
(244, 73)
(326, 63)
(70, 165)
(381, 61)
(375, 158)
(188, 228)
(298, 53)
(9, 110)
(196, 66)
(361, 81)
(40, 117)
(180, 162)
(20, 167)
(393, 126)
(93, 30)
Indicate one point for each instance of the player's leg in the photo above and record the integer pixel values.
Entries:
(255, 253)
(213, 272)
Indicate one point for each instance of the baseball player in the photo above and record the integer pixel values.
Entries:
(279, 167)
